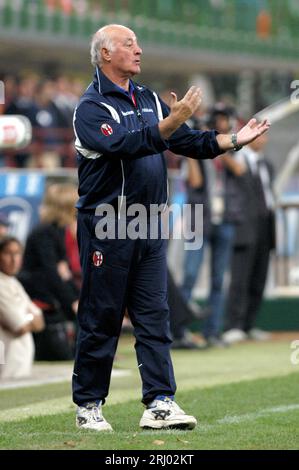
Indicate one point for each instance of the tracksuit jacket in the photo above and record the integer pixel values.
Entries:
(120, 149)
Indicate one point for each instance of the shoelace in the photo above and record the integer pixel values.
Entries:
(170, 404)
(97, 415)
(93, 414)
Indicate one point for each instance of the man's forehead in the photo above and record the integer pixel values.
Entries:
(123, 34)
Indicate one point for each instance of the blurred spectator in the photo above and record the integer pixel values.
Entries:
(21, 98)
(4, 225)
(10, 92)
(46, 274)
(49, 106)
(18, 315)
(263, 24)
(23, 104)
(65, 99)
(49, 124)
(77, 88)
(181, 316)
(212, 183)
(72, 252)
(255, 238)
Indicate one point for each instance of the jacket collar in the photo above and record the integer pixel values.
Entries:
(105, 86)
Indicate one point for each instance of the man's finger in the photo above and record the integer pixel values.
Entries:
(174, 98)
(192, 92)
(196, 98)
(252, 123)
(261, 124)
(263, 127)
(264, 124)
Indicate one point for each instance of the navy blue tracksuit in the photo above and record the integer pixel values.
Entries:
(120, 154)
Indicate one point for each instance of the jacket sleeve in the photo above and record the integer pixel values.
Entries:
(192, 143)
(118, 142)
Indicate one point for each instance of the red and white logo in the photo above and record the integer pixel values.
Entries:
(10, 134)
(97, 258)
(106, 129)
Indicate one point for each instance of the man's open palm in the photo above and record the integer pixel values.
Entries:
(252, 130)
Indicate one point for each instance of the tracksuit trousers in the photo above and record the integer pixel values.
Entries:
(118, 274)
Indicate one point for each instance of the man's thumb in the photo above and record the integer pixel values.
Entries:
(173, 99)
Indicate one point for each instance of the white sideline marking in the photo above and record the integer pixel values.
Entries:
(12, 384)
(42, 408)
(257, 414)
(57, 405)
(249, 416)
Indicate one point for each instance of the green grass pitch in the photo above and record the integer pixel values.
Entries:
(244, 397)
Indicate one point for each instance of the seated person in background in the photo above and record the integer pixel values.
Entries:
(46, 274)
(18, 315)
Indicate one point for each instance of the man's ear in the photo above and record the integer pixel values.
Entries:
(106, 54)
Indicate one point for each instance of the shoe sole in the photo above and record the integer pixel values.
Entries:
(148, 424)
(103, 429)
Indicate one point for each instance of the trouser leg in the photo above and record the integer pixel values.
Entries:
(221, 247)
(101, 309)
(148, 309)
(192, 264)
(180, 314)
(258, 277)
(237, 303)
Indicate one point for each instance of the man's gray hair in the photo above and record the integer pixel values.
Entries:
(102, 38)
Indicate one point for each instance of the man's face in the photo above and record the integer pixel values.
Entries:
(11, 259)
(222, 124)
(126, 54)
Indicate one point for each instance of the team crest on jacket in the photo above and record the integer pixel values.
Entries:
(106, 129)
(97, 258)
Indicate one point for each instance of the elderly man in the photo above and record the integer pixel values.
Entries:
(121, 130)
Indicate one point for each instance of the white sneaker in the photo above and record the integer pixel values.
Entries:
(234, 336)
(259, 335)
(162, 414)
(90, 417)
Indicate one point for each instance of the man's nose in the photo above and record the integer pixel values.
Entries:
(138, 50)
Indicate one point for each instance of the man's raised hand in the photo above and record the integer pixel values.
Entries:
(186, 107)
(252, 130)
(180, 111)
(247, 134)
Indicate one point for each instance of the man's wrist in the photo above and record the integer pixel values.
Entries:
(234, 139)
(168, 126)
(228, 142)
(224, 142)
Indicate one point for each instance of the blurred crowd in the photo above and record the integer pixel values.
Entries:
(40, 283)
(238, 232)
(49, 105)
(39, 286)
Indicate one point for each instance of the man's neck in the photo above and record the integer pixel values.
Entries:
(122, 82)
